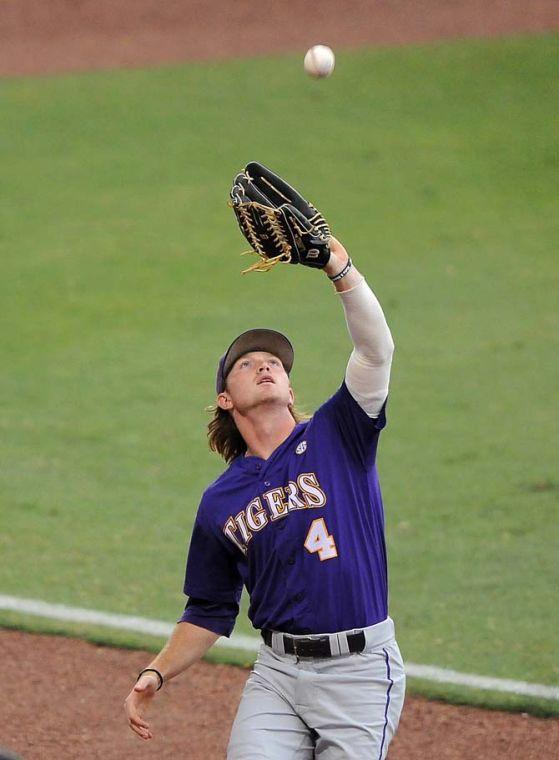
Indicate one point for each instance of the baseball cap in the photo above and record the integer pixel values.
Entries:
(259, 339)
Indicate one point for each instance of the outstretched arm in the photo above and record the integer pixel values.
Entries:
(188, 644)
(368, 370)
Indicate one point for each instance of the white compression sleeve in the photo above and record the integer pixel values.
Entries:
(368, 370)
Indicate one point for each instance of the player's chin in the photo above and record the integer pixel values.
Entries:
(272, 395)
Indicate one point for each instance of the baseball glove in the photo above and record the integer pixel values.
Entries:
(278, 223)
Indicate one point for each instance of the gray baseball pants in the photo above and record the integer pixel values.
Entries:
(341, 707)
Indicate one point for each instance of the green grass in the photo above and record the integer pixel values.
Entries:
(119, 288)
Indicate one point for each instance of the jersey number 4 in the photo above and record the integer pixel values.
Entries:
(319, 540)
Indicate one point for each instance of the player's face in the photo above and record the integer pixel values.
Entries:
(257, 378)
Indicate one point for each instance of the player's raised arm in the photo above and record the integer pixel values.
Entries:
(282, 227)
(368, 370)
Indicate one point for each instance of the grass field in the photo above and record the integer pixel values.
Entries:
(119, 288)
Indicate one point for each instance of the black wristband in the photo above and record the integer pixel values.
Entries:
(151, 670)
(343, 273)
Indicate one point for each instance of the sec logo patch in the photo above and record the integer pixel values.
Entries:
(301, 448)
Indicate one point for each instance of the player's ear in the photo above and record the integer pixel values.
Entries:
(292, 396)
(224, 402)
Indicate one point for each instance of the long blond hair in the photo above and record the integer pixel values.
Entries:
(223, 434)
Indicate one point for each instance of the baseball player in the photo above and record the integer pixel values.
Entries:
(296, 518)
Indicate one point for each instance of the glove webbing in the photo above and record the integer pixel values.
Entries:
(270, 221)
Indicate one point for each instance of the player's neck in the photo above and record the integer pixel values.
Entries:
(265, 429)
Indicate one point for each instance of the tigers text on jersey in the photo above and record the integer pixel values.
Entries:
(302, 530)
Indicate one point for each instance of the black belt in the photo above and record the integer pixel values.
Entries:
(316, 647)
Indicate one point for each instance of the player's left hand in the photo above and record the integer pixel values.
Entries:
(279, 224)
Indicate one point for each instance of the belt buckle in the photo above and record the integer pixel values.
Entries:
(301, 643)
(311, 647)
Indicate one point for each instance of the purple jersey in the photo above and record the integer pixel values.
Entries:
(302, 530)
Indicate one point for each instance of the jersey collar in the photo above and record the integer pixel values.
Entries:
(257, 464)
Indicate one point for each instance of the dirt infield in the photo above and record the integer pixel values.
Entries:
(62, 698)
(66, 35)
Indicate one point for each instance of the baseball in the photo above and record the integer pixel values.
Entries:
(319, 61)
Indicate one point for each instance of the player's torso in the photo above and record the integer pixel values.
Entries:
(307, 530)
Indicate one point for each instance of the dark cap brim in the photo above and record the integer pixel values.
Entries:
(259, 339)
